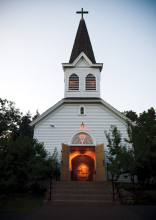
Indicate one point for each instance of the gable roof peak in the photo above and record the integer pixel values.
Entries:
(82, 43)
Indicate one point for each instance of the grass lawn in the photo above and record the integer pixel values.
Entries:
(20, 202)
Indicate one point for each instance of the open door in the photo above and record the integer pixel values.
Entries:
(65, 162)
(100, 166)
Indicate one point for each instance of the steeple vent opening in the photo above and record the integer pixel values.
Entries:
(90, 82)
(73, 82)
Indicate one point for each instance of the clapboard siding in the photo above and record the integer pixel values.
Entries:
(67, 122)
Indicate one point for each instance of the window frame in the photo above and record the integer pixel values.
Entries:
(73, 90)
(90, 90)
(79, 110)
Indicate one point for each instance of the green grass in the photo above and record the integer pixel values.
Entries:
(20, 202)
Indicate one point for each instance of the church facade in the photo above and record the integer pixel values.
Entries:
(76, 124)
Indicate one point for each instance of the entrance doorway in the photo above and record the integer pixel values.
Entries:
(82, 160)
(82, 166)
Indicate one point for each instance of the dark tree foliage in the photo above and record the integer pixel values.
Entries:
(140, 158)
(23, 160)
(37, 114)
(121, 157)
(13, 123)
(9, 117)
(24, 128)
(142, 136)
(131, 115)
(114, 141)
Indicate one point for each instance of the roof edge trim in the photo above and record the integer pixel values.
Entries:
(82, 54)
(77, 101)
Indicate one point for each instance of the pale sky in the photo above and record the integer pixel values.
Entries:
(37, 36)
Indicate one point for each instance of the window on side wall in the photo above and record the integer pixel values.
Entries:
(82, 110)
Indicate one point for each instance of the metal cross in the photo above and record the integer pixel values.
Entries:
(82, 12)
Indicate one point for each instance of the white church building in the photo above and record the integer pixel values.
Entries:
(76, 124)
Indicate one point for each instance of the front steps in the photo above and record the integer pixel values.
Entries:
(81, 193)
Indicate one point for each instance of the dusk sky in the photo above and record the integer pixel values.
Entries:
(37, 36)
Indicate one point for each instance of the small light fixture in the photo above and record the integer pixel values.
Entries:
(82, 125)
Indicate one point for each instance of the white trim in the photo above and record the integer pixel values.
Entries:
(68, 83)
(79, 111)
(79, 132)
(49, 115)
(71, 101)
(82, 54)
(96, 90)
(47, 112)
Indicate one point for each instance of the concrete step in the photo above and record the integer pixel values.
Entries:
(82, 198)
(81, 187)
(81, 192)
(94, 183)
(82, 202)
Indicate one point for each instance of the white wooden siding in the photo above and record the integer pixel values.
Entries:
(67, 122)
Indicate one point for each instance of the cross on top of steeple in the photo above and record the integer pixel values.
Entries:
(82, 12)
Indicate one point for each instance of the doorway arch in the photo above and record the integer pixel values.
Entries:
(82, 168)
(82, 138)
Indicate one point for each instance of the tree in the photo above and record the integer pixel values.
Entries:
(37, 114)
(145, 122)
(144, 152)
(114, 141)
(121, 156)
(140, 157)
(131, 115)
(9, 117)
(23, 160)
(24, 125)
(12, 122)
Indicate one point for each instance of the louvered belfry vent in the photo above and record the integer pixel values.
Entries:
(90, 82)
(73, 82)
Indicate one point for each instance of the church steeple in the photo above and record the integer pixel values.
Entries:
(82, 43)
(82, 74)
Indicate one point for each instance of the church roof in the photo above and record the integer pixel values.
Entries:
(82, 43)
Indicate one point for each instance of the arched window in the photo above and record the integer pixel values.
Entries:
(90, 82)
(73, 82)
(82, 139)
(82, 111)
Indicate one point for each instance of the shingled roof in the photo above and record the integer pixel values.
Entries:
(82, 43)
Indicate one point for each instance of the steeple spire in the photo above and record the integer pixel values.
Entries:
(82, 43)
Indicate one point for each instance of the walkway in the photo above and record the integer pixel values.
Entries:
(111, 212)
